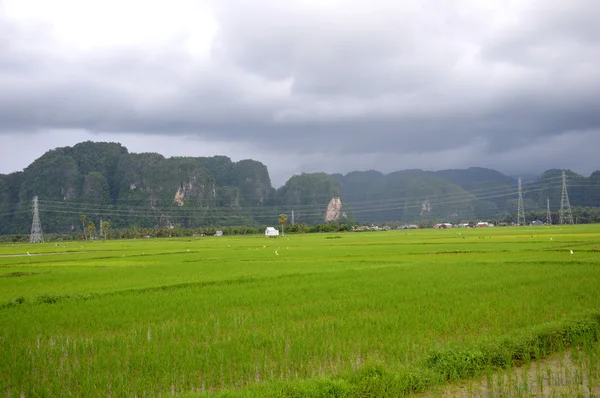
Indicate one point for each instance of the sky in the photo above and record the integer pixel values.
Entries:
(307, 85)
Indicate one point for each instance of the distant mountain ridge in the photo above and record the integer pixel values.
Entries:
(104, 180)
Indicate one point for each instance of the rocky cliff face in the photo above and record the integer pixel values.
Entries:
(150, 179)
(11, 212)
(95, 189)
(407, 196)
(254, 183)
(144, 189)
(308, 194)
(334, 210)
(54, 176)
(147, 190)
(5, 198)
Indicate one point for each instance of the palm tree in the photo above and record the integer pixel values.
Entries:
(282, 221)
(105, 227)
(82, 219)
(91, 227)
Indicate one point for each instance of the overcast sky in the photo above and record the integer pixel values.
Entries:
(307, 85)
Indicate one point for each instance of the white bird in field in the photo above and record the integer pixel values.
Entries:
(550, 238)
(188, 249)
(277, 254)
(28, 254)
(571, 251)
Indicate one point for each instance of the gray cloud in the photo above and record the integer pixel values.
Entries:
(377, 80)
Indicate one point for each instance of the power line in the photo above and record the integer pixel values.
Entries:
(244, 214)
(462, 196)
(371, 205)
(478, 194)
(313, 211)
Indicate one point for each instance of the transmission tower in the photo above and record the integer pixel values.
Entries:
(36, 226)
(548, 214)
(521, 209)
(565, 215)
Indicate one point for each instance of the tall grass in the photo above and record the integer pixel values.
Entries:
(362, 315)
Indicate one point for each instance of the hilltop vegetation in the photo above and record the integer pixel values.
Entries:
(147, 190)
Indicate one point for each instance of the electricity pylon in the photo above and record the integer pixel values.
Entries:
(36, 226)
(565, 215)
(521, 209)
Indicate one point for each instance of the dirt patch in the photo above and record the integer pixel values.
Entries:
(574, 373)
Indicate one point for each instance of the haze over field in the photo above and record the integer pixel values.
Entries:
(307, 86)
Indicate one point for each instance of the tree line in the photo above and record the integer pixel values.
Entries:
(581, 215)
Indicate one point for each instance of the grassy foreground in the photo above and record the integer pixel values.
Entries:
(355, 314)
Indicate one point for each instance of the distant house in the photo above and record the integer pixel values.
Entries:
(442, 225)
(483, 224)
(536, 223)
(361, 228)
(219, 233)
(271, 232)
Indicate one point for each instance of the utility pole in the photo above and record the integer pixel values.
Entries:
(548, 214)
(100, 228)
(293, 221)
(36, 226)
(565, 215)
(521, 209)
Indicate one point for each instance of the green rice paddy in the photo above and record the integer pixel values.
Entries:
(299, 315)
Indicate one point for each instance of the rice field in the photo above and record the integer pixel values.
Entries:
(573, 372)
(351, 314)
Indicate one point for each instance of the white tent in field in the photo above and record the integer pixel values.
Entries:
(270, 232)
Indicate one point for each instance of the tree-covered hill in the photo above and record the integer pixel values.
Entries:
(105, 181)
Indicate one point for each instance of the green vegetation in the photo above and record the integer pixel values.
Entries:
(310, 194)
(377, 314)
(571, 372)
(146, 190)
(282, 221)
(401, 196)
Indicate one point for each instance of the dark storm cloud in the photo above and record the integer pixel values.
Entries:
(381, 77)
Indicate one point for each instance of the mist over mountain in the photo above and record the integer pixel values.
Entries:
(106, 181)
